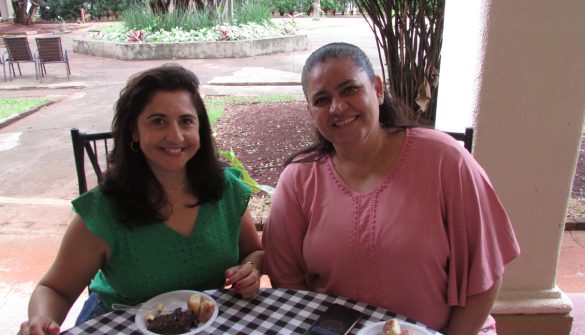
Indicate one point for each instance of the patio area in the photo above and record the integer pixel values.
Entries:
(35, 209)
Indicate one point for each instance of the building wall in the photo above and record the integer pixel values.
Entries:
(6, 9)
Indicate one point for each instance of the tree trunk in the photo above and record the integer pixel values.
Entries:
(159, 6)
(317, 10)
(19, 7)
(163, 6)
(31, 12)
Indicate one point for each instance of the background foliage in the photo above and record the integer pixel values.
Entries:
(409, 43)
(99, 9)
(304, 6)
(70, 9)
(250, 19)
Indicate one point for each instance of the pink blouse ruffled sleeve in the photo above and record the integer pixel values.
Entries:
(481, 239)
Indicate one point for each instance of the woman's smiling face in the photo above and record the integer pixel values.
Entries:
(343, 101)
(168, 131)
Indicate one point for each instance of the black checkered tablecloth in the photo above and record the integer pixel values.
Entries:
(273, 311)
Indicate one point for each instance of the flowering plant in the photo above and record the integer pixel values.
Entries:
(136, 36)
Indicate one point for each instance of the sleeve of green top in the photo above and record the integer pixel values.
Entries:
(240, 192)
(97, 214)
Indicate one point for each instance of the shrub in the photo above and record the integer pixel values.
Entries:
(67, 9)
(254, 11)
(70, 9)
(250, 21)
(285, 6)
(217, 33)
(144, 18)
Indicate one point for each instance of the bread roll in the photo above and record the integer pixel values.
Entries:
(194, 303)
(391, 327)
(206, 310)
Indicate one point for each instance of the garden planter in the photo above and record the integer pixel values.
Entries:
(191, 50)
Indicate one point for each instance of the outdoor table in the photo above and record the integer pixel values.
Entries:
(272, 311)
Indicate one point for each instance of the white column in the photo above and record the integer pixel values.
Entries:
(461, 59)
(6, 9)
(517, 68)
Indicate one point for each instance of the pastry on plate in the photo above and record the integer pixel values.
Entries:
(201, 307)
(391, 327)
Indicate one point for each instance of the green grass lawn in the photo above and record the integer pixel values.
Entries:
(215, 104)
(10, 107)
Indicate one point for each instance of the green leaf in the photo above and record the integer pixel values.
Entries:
(245, 177)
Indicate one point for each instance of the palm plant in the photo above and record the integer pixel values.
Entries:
(409, 36)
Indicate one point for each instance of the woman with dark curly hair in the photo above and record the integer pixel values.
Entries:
(385, 212)
(167, 217)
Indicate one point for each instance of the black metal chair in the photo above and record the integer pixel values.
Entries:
(95, 145)
(50, 50)
(466, 137)
(3, 62)
(18, 51)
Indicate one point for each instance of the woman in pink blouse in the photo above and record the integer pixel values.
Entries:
(384, 212)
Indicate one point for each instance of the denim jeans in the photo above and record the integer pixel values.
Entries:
(91, 308)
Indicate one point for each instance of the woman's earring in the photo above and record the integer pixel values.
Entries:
(134, 146)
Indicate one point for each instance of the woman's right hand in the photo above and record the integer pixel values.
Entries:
(39, 325)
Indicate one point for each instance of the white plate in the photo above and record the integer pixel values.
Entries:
(170, 301)
(376, 328)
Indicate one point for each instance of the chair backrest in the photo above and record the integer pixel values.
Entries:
(94, 146)
(466, 137)
(50, 49)
(3, 63)
(18, 49)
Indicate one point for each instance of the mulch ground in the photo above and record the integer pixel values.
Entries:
(576, 207)
(578, 190)
(263, 135)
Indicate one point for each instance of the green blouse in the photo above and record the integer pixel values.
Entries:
(154, 259)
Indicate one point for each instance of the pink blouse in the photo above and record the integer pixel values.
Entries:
(432, 233)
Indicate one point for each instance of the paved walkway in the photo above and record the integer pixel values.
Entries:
(37, 175)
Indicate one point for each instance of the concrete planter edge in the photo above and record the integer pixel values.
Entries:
(190, 50)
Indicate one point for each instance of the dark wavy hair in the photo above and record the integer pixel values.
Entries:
(393, 113)
(136, 193)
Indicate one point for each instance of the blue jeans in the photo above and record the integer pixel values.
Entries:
(91, 308)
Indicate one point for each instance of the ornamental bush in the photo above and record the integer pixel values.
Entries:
(190, 25)
(250, 30)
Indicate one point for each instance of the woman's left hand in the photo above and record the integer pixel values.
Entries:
(244, 279)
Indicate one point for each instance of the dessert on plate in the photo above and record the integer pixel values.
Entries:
(177, 322)
(392, 327)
